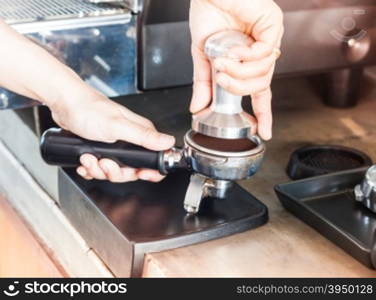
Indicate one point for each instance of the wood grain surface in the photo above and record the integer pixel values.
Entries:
(21, 255)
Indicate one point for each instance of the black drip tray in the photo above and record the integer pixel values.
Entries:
(123, 222)
(327, 203)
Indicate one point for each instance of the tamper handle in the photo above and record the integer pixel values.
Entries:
(219, 45)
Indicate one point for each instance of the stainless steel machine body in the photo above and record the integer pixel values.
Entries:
(98, 41)
(122, 48)
(133, 5)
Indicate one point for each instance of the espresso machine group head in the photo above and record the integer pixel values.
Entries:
(221, 147)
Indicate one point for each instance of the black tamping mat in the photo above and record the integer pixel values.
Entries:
(123, 222)
(327, 203)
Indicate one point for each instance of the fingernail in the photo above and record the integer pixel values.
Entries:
(86, 163)
(144, 177)
(268, 136)
(82, 172)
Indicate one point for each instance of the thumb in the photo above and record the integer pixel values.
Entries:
(201, 80)
(261, 103)
(138, 134)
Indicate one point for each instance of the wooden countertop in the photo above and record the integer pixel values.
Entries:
(285, 247)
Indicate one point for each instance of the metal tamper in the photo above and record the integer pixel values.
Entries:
(223, 124)
(219, 150)
(225, 117)
(366, 191)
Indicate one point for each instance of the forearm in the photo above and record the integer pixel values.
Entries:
(29, 70)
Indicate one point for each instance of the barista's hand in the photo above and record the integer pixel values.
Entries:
(246, 71)
(91, 115)
(75, 106)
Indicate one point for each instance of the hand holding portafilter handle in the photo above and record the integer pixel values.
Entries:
(62, 148)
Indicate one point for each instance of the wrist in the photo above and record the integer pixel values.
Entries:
(67, 88)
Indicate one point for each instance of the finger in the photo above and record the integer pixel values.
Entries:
(201, 80)
(128, 174)
(91, 165)
(243, 87)
(255, 52)
(150, 175)
(280, 36)
(130, 115)
(112, 170)
(245, 70)
(261, 103)
(83, 173)
(267, 23)
(140, 135)
(268, 30)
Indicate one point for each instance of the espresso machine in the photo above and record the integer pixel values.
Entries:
(121, 47)
(138, 53)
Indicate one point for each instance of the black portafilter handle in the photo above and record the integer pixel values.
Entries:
(62, 148)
